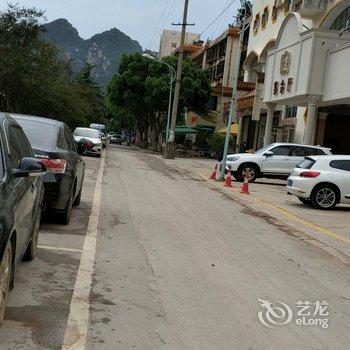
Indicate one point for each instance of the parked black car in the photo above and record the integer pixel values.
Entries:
(21, 197)
(116, 138)
(54, 144)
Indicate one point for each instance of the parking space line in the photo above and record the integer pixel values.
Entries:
(60, 248)
(294, 217)
(78, 319)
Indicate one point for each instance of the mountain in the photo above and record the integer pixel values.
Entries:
(103, 51)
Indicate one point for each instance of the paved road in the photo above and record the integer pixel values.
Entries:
(178, 265)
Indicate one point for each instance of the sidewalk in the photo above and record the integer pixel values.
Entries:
(329, 230)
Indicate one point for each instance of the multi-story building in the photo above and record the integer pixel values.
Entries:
(309, 67)
(267, 18)
(170, 41)
(219, 57)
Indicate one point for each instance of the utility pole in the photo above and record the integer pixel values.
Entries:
(233, 109)
(170, 147)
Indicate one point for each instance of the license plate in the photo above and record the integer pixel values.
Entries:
(290, 183)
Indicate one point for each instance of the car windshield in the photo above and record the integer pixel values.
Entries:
(41, 135)
(307, 163)
(262, 150)
(87, 133)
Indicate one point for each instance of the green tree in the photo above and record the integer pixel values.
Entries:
(33, 77)
(141, 90)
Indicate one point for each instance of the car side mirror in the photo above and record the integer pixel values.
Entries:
(268, 154)
(82, 146)
(30, 167)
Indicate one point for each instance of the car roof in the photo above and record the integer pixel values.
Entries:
(37, 119)
(297, 145)
(330, 157)
(82, 128)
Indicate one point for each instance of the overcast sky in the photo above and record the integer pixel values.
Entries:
(137, 18)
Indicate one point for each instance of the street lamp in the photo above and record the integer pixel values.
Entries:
(172, 79)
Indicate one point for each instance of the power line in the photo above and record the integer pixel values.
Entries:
(218, 17)
(168, 15)
(159, 22)
(165, 20)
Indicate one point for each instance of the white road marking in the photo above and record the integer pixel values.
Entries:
(78, 319)
(60, 248)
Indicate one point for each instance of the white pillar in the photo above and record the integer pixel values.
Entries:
(311, 121)
(269, 121)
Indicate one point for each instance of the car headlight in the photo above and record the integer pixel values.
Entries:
(232, 159)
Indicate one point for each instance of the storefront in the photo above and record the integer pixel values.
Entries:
(309, 68)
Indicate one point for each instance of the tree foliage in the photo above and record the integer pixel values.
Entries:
(33, 77)
(139, 93)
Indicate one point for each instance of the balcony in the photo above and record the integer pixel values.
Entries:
(311, 8)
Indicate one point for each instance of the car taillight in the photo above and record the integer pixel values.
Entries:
(57, 166)
(310, 174)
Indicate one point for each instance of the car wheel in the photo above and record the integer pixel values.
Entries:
(324, 197)
(67, 213)
(305, 200)
(250, 170)
(32, 247)
(5, 278)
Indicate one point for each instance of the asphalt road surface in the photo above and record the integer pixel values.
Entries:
(157, 259)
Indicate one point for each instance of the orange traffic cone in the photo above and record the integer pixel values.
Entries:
(228, 182)
(245, 186)
(213, 174)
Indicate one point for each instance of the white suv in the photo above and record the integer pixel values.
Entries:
(274, 161)
(321, 181)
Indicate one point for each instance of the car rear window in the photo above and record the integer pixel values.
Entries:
(40, 135)
(307, 163)
(87, 133)
(340, 164)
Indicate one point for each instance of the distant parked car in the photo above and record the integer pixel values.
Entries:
(116, 139)
(99, 127)
(323, 182)
(54, 144)
(93, 136)
(274, 161)
(21, 197)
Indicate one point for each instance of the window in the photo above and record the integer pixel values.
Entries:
(301, 151)
(297, 6)
(291, 111)
(19, 146)
(306, 164)
(281, 151)
(173, 45)
(298, 152)
(286, 5)
(275, 11)
(61, 141)
(341, 21)
(340, 164)
(314, 151)
(213, 103)
(256, 23)
(86, 132)
(40, 134)
(69, 139)
(265, 18)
